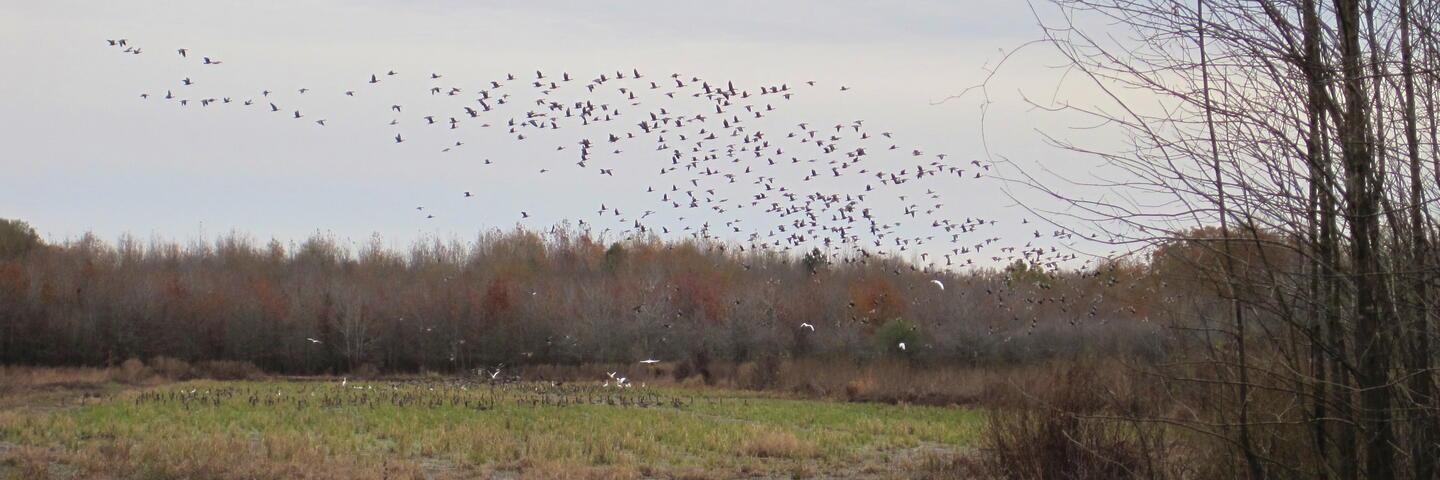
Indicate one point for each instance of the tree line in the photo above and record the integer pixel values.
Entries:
(556, 297)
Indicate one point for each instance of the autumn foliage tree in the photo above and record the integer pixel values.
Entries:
(511, 297)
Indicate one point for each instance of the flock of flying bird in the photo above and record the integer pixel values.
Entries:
(843, 187)
(713, 142)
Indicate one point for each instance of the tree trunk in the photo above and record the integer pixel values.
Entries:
(1422, 424)
(1363, 215)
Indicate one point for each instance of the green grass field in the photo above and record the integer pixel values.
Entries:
(444, 429)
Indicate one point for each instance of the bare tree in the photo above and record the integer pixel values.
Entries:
(1261, 139)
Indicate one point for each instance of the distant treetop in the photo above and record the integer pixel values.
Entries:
(17, 239)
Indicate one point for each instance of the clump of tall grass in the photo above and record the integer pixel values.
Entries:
(774, 444)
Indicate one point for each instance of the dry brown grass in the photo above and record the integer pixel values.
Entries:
(945, 465)
(773, 444)
(903, 382)
(31, 388)
(18, 378)
(571, 471)
(213, 458)
(37, 387)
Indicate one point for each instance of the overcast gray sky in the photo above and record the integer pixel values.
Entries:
(83, 152)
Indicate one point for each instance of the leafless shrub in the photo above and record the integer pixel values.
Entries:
(171, 368)
(936, 465)
(1067, 432)
(761, 374)
(367, 371)
(682, 371)
(228, 370)
(132, 371)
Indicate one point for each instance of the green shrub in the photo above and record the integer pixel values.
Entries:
(896, 332)
(614, 257)
(815, 261)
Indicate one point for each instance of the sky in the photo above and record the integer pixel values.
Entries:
(83, 152)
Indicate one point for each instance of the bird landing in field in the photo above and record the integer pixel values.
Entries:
(807, 325)
(938, 284)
